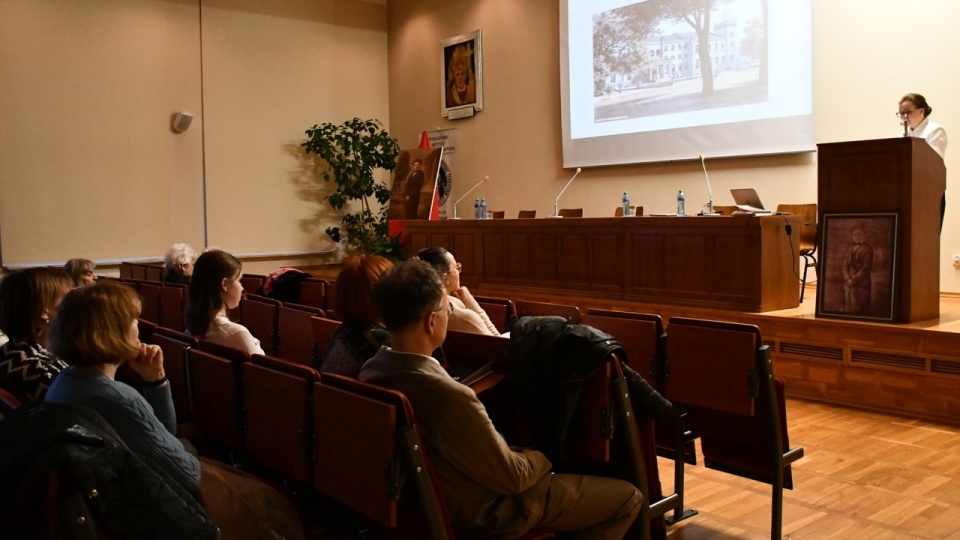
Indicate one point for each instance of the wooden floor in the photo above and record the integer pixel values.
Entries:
(864, 475)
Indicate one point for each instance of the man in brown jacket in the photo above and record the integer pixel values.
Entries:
(490, 489)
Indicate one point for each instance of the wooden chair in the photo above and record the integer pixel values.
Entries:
(538, 309)
(153, 272)
(331, 297)
(295, 333)
(313, 292)
(216, 373)
(146, 329)
(322, 328)
(175, 346)
(499, 310)
(527, 214)
(722, 373)
(369, 431)
(570, 212)
(260, 315)
(807, 239)
(634, 211)
(172, 302)
(126, 270)
(278, 402)
(150, 300)
(724, 209)
(252, 282)
(474, 351)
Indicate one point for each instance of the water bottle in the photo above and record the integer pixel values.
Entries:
(476, 209)
(681, 211)
(626, 204)
(483, 209)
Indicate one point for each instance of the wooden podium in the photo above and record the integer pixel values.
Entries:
(903, 176)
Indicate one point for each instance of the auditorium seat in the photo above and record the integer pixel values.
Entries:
(323, 328)
(278, 400)
(295, 333)
(252, 282)
(313, 292)
(364, 427)
(216, 373)
(260, 314)
(8, 402)
(153, 273)
(722, 373)
(499, 214)
(150, 300)
(331, 296)
(175, 346)
(570, 212)
(527, 214)
(500, 310)
(806, 239)
(172, 301)
(539, 309)
(725, 210)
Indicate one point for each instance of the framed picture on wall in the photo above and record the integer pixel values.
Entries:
(461, 74)
(857, 277)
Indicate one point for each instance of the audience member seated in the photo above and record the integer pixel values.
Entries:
(179, 261)
(81, 271)
(361, 333)
(28, 301)
(214, 288)
(467, 315)
(490, 489)
(95, 331)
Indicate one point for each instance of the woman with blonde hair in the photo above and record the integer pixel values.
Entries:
(81, 271)
(95, 331)
(361, 333)
(28, 300)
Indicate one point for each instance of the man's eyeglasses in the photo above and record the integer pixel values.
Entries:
(459, 269)
(447, 308)
(904, 114)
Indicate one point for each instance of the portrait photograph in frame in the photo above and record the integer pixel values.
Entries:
(461, 74)
(857, 275)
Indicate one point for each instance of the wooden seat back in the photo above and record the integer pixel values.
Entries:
(322, 329)
(499, 310)
(217, 384)
(172, 302)
(260, 315)
(175, 346)
(278, 405)
(313, 292)
(641, 335)
(295, 333)
(536, 309)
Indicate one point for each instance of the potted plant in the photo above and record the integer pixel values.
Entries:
(353, 150)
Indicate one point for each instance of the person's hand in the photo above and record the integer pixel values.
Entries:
(464, 295)
(149, 363)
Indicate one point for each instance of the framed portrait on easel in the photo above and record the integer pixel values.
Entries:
(857, 274)
(461, 76)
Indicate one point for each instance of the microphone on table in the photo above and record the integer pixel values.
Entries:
(485, 178)
(556, 208)
(707, 178)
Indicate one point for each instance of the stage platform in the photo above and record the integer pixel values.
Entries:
(909, 369)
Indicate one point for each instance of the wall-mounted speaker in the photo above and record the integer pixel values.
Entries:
(180, 121)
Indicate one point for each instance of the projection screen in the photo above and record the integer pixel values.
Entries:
(665, 80)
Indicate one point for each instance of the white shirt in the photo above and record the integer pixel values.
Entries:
(934, 133)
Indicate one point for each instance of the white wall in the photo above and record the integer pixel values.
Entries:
(866, 55)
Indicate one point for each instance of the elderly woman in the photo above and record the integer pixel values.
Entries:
(95, 330)
(81, 271)
(362, 333)
(28, 301)
(215, 288)
(467, 315)
(179, 263)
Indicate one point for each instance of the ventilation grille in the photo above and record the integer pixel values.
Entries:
(886, 359)
(944, 366)
(814, 351)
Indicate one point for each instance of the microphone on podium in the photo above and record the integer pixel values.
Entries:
(703, 164)
(906, 127)
(556, 207)
(485, 178)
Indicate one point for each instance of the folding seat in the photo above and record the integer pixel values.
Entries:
(260, 315)
(295, 340)
(537, 309)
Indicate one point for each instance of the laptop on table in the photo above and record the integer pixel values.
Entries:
(748, 200)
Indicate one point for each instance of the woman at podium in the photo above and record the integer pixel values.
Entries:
(914, 114)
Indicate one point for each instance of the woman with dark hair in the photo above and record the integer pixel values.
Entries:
(96, 331)
(28, 301)
(215, 288)
(914, 112)
(81, 271)
(362, 333)
(467, 315)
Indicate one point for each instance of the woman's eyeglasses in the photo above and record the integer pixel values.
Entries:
(904, 114)
(459, 269)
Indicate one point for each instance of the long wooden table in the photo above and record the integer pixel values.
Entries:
(738, 263)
